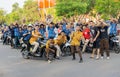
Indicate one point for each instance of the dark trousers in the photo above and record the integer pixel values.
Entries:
(12, 41)
(68, 37)
(104, 45)
(61, 46)
(48, 51)
(110, 41)
(74, 49)
(4, 40)
(28, 45)
(17, 41)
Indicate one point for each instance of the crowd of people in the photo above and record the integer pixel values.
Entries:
(57, 34)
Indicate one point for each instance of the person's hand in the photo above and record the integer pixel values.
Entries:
(40, 36)
(28, 33)
(94, 39)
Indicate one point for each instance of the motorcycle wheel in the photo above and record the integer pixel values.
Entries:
(25, 55)
(117, 50)
(68, 51)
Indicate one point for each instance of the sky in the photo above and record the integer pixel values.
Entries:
(7, 4)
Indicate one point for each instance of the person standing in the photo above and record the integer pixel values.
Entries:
(67, 31)
(95, 33)
(112, 31)
(50, 30)
(104, 39)
(113, 27)
(76, 37)
(86, 34)
(17, 35)
(118, 26)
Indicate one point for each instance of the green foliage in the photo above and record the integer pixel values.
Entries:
(90, 4)
(2, 16)
(107, 8)
(69, 7)
(30, 13)
(12, 17)
(15, 7)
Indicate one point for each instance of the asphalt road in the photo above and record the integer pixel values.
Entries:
(13, 65)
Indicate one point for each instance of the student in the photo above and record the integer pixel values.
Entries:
(50, 47)
(33, 40)
(67, 31)
(113, 27)
(50, 30)
(86, 34)
(104, 39)
(95, 33)
(16, 34)
(5, 35)
(26, 36)
(12, 35)
(42, 30)
(76, 37)
(59, 43)
(112, 31)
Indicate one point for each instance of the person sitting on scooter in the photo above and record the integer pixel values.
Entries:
(33, 40)
(16, 35)
(5, 34)
(50, 47)
(26, 36)
(59, 43)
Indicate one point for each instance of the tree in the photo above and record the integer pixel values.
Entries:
(30, 11)
(70, 7)
(12, 17)
(90, 4)
(107, 8)
(15, 7)
(2, 16)
(15, 15)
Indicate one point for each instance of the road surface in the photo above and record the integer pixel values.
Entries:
(13, 65)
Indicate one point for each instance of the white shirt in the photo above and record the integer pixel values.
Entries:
(118, 26)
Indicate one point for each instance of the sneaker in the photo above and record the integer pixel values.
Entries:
(83, 52)
(81, 61)
(58, 58)
(49, 61)
(102, 57)
(108, 58)
(73, 59)
(92, 57)
(97, 58)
